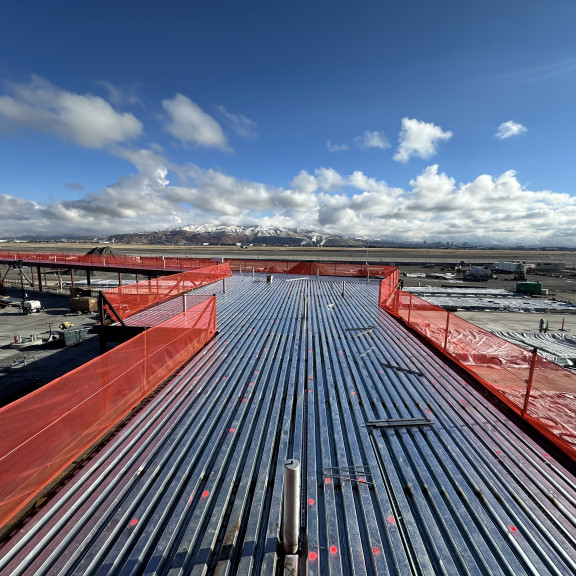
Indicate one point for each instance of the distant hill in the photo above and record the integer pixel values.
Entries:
(231, 235)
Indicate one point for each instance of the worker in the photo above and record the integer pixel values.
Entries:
(541, 329)
(66, 325)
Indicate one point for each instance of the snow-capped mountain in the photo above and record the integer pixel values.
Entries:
(230, 235)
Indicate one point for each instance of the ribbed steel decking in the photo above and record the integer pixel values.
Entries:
(192, 484)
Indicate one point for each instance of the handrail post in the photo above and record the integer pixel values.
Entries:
(446, 330)
(409, 309)
(529, 383)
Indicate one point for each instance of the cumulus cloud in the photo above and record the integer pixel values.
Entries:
(372, 140)
(243, 126)
(419, 139)
(83, 118)
(191, 125)
(433, 205)
(510, 128)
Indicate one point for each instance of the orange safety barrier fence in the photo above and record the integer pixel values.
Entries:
(182, 264)
(309, 268)
(538, 390)
(170, 263)
(46, 431)
(132, 298)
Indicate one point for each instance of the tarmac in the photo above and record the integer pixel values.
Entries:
(34, 363)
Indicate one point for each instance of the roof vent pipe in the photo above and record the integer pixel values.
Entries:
(291, 510)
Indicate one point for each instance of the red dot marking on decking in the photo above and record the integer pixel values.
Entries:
(232, 429)
(391, 519)
(327, 480)
(354, 392)
(546, 455)
(309, 390)
(310, 377)
(205, 493)
(498, 452)
(251, 384)
(244, 399)
(362, 480)
(376, 550)
(312, 556)
(333, 549)
(311, 501)
(134, 521)
(513, 529)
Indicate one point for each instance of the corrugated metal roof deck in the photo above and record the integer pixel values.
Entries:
(192, 484)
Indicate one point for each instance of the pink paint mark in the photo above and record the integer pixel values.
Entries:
(513, 529)
(328, 480)
(333, 549)
(232, 429)
(309, 390)
(391, 520)
(134, 521)
(354, 392)
(376, 550)
(311, 501)
(251, 384)
(205, 494)
(244, 399)
(312, 556)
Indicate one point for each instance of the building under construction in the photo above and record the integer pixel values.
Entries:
(291, 423)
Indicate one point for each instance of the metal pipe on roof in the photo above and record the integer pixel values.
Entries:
(291, 510)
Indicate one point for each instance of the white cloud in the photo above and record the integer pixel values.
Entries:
(336, 147)
(488, 209)
(191, 125)
(120, 95)
(372, 140)
(243, 126)
(419, 139)
(510, 128)
(86, 119)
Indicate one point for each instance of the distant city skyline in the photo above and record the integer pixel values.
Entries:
(411, 122)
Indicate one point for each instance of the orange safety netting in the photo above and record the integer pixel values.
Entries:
(540, 391)
(46, 431)
(132, 298)
(170, 263)
(309, 268)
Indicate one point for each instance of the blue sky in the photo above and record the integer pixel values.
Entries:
(411, 120)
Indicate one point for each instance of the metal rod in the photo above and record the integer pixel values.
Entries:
(409, 308)
(529, 383)
(224, 285)
(446, 330)
(291, 511)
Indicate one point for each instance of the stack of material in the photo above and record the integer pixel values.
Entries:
(84, 304)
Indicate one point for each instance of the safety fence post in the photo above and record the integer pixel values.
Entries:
(446, 330)
(343, 287)
(529, 382)
(409, 309)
